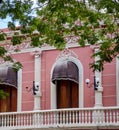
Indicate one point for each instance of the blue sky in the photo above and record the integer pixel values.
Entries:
(3, 23)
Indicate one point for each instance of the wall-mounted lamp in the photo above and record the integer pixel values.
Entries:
(34, 88)
(95, 84)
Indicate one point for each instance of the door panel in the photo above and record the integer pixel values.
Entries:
(74, 95)
(62, 94)
(14, 100)
(9, 104)
(67, 94)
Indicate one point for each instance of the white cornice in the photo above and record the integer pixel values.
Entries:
(26, 46)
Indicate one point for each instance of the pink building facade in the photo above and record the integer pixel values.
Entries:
(47, 59)
(41, 64)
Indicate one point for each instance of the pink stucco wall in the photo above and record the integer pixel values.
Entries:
(27, 61)
(48, 58)
(109, 84)
(109, 94)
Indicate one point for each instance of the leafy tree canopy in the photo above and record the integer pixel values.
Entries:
(94, 22)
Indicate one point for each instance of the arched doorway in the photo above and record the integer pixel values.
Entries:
(67, 55)
(66, 77)
(8, 84)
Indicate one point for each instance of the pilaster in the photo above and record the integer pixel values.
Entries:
(37, 79)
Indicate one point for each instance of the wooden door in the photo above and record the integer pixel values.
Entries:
(9, 104)
(67, 97)
(67, 94)
(74, 95)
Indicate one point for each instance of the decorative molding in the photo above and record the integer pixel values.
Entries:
(36, 53)
(3, 62)
(10, 48)
(72, 39)
(71, 42)
(66, 53)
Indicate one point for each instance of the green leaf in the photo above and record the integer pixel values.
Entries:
(11, 25)
(3, 94)
(2, 51)
(97, 66)
(8, 58)
(17, 65)
(35, 41)
(16, 40)
(2, 36)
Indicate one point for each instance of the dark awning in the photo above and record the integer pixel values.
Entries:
(65, 70)
(8, 76)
